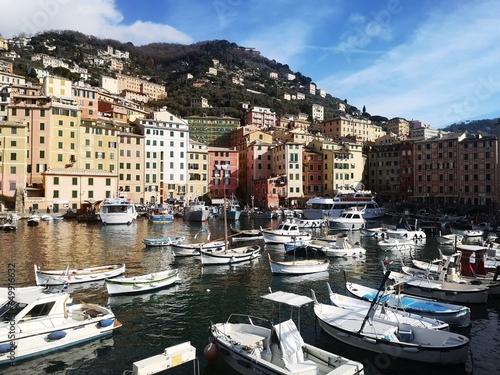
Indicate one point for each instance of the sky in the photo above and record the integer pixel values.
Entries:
(436, 61)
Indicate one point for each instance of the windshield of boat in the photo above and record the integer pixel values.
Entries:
(9, 310)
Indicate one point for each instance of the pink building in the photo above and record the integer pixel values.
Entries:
(223, 166)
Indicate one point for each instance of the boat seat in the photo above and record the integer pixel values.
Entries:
(93, 313)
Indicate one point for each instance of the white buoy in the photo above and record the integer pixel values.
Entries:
(208, 290)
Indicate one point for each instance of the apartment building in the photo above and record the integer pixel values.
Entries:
(385, 170)
(198, 169)
(264, 118)
(287, 161)
(223, 169)
(214, 131)
(312, 165)
(360, 129)
(13, 156)
(166, 140)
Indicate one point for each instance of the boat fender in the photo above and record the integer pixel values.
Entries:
(105, 323)
(56, 335)
(5, 348)
(211, 352)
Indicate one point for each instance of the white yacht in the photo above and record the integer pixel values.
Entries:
(349, 197)
(117, 211)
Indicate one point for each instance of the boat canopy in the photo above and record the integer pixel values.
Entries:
(290, 299)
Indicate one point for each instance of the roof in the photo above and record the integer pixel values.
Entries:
(290, 299)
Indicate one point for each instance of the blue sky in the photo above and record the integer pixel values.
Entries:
(433, 61)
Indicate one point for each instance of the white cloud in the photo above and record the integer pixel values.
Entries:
(100, 18)
(448, 72)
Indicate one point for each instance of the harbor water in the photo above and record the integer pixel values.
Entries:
(152, 322)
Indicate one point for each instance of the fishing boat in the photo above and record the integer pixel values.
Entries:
(347, 197)
(233, 209)
(229, 255)
(163, 241)
(395, 339)
(77, 276)
(142, 283)
(196, 211)
(246, 235)
(453, 314)
(164, 214)
(286, 232)
(35, 321)
(250, 345)
(386, 313)
(349, 219)
(298, 266)
(117, 211)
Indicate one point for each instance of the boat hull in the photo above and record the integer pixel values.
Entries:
(299, 267)
(231, 256)
(62, 277)
(142, 284)
(191, 250)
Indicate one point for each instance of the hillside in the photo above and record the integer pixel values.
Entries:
(170, 64)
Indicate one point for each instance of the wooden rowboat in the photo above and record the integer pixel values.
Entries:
(76, 276)
(143, 283)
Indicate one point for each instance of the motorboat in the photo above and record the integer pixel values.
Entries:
(339, 248)
(36, 320)
(349, 219)
(76, 276)
(396, 244)
(347, 197)
(117, 211)
(449, 239)
(310, 223)
(143, 283)
(403, 230)
(251, 345)
(287, 231)
(383, 312)
(196, 211)
(298, 266)
(163, 214)
(163, 241)
(392, 338)
(393, 297)
(229, 255)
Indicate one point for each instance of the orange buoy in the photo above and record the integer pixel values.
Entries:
(211, 352)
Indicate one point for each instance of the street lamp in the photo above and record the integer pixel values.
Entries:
(223, 168)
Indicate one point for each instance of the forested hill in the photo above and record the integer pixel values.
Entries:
(170, 64)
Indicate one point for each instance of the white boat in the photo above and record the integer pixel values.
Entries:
(379, 232)
(193, 249)
(47, 217)
(298, 266)
(34, 220)
(246, 235)
(310, 223)
(286, 232)
(453, 314)
(449, 239)
(340, 248)
(386, 313)
(230, 255)
(403, 230)
(467, 232)
(250, 346)
(77, 276)
(396, 244)
(35, 321)
(441, 290)
(395, 339)
(117, 211)
(163, 241)
(349, 219)
(142, 283)
(323, 208)
(196, 211)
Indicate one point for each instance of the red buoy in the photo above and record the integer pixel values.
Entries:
(211, 352)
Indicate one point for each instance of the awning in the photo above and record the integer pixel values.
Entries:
(217, 200)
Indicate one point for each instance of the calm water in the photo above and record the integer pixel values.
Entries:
(152, 322)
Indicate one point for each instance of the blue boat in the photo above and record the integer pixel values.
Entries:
(161, 215)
